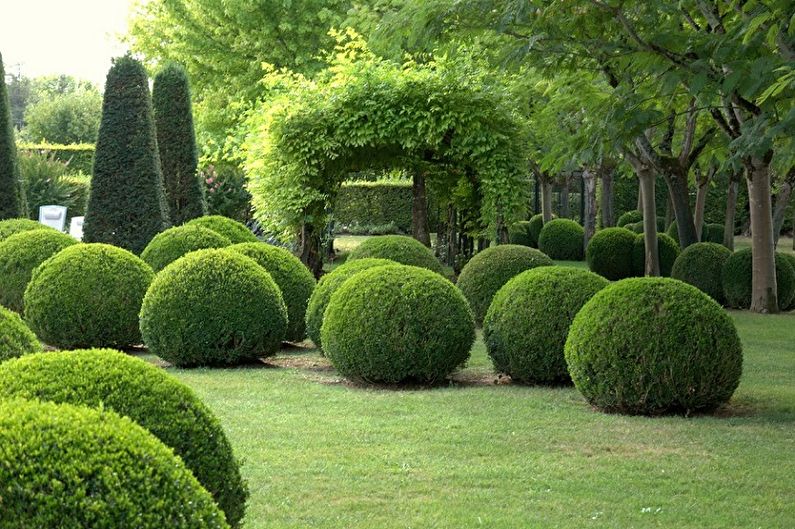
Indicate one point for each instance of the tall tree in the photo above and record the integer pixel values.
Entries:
(12, 195)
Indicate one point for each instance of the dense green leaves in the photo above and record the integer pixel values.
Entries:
(170, 245)
(16, 339)
(701, 265)
(397, 248)
(12, 198)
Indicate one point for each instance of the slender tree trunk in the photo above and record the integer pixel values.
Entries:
(311, 252)
(649, 209)
(564, 200)
(680, 196)
(669, 211)
(701, 201)
(452, 235)
(589, 201)
(639, 207)
(546, 200)
(608, 202)
(782, 202)
(731, 213)
(537, 197)
(419, 210)
(764, 296)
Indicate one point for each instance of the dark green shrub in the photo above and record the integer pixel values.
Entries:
(654, 345)
(20, 254)
(213, 307)
(397, 323)
(712, 233)
(791, 260)
(490, 269)
(326, 287)
(701, 265)
(12, 194)
(15, 337)
(636, 227)
(87, 295)
(225, 191)
(294, 280)
(520, 234)
(110, 380)
(74, 467)
(562, 239)
(126, 204)
(526, 326)
(9, 227)
(376, 203)
(231, 229)
(534, 228)
(170, 245)
(736, 276)
(668, 251)
(609, 253)
(630, 217)
(398, 248)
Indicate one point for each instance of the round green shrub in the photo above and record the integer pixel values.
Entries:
(396, 324)
(667, 251)
(536, 224)
(72, 467)
(701, 265)
(712, 233)
(398, 248)
(20, 254)
(326, 287)
(107, 379)
(527, 323)
(519, 234)
(609, 253)
(737, 274)
(170, 245)
(294, 280)
(9, 227)
(630, 217)
(490, 269)
(791, 260)
(651, 346)
(562, 239)
(213, 307)
(88, 295)
(673, 232)
(15, 337)
(233, 230)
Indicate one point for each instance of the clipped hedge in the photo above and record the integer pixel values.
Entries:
(737, 274)
(651, 346)
(701, 265)
(519, 234)
(630, 217)
(378, 203)
(562, 239)
(16, 339)
(10, 227)
(534, 228)
(398, 248)
(170, 245)
(79, 157)
(233, 230)
(712, 233)
(667, 251)
(609, 253)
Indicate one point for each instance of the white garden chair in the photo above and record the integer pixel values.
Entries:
(76, 228)
(53, 216)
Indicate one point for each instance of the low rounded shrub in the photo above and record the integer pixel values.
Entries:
(107, 379)
(653, 345)
(562, 239)
(233, 230)
(701, 265)
(16, 339)
(635, 227)
(9, 227)
(168, 246)
(668, 251)
(396, 324)
(294, 280)
(70, 466)
(609, 253)
(527, 323)
(88, 295)
(791, 260)
(213, 307)
(20, 254)
(519, 234)
(398, 248)
(490, 269)
(712, 233)
(737, 273)
(326, 287)
(536, 224)
(630, 217)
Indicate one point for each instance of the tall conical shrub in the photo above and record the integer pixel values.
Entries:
(127, 205)
(176, 141)
(12, 194)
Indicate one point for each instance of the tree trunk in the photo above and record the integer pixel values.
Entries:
(607, 202)
(701, 201)
(680, 196)
(419, 210)
(589, 202)
(669, 211)
(731, 213)
(782, 202)
(640, 199)
(564, 200)
(764, 296)
(452, 235)
(649, 209)
(546, 200)
(310, 246)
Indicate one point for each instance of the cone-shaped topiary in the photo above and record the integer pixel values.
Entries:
(609, 253)
(15, 337)
(170, 245)
(398, 248)
(107, 379)
(12, 193)
(736, 277)
(519, 233)
(126, 203)
(71, 466)
(632, 216)
(10, 227)
(176, 141)
(231, 229)
(701, 265)
(653, 345)
(562, 239)
(668, 251)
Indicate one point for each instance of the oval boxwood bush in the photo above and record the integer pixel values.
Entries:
(294, 280)
(536, 224)
(491, 268)
(668, 251)
(88, 295)
(701, 265)
(15, 337)
(107, 379)
(73, 467)
(562, 239)
(213, 307)
(20, 254)
(233, 230)
(397, 324)
(653, 345)
(519, 234)
(9, 227)
(736, 276)
(326, 287)
(609, 253)
(168, 246)
(398, 248)
(712, 233)
(629, 217)
(527, 323)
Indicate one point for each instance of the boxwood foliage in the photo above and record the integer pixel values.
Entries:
(562, 239)
(107, 379)
(231, 229)
(398, 248)
(10, 227)
(170, 245)
(88, 295)
(20, 254)
(668, 251)
(16, 339)
(71, 466)
(609, 253)
(213, 307)
(654, 345)
(629, 217)
(397, 324)
(377, 203)
(534, 228)
(12, 193)
(712, 233)
(736, 276)
(491, 268)
(701, 265)
(791, 260)
(294, 280)
(519, 233)
(526, 326)
(326, 287)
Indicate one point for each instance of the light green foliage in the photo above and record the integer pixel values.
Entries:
(701, 265)
(71, 117)
(231, 229)
(519, 233)
(668, 251)
(737, 275)
(398, 248)
(48, 181)
(9, 227)
(534, 228)
(630, 217)
(609, 253)
(16, 339)
(78, 157)
(170, 245)
(562, 239)
(375, 203)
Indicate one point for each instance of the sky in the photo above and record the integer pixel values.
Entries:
(74, 37)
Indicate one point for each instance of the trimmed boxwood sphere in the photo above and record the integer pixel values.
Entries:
(326, 287)
(536, 224)
(397, 323)
(88, 295)
(20, 254)
(519, 233)
(170, 245)
(107, 379)
(9, 227)
(701, 265)
(491, 268)
(398, 248)
(233, 230)
(791, 260)
(630, 217)
(213, 307)
(527, 323)
(609, 253)
(635, 227)
(15, 337)
(72, 467)
(294, 280)
(737, 275)
(562, 239)
(653, 345)
(667, 251)
(712, 233)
